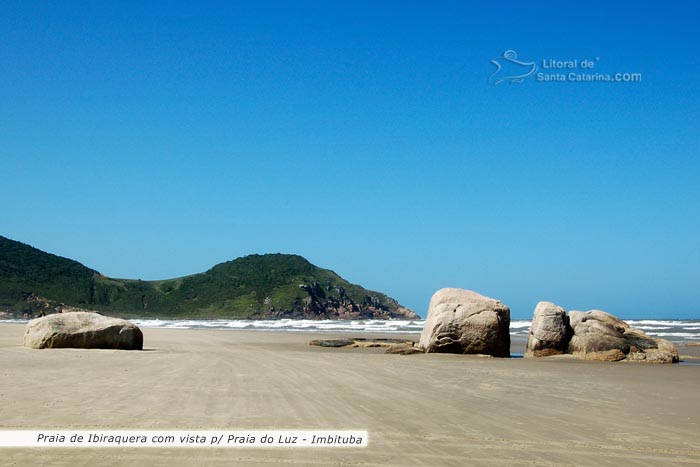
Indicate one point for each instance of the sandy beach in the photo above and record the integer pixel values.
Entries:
(432, 410)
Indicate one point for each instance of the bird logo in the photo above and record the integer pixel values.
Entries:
(509, 68)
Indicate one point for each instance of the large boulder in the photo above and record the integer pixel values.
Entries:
(598, 335)
(83, 330)
(549, 332)
(465, 322)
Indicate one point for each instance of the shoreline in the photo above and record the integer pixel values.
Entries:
(429, 409)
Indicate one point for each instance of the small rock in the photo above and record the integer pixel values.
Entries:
(332, 342)
(362, 342)
(403, 350)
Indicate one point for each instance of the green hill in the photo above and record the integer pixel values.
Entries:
(255, 286)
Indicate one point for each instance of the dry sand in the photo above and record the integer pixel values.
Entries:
(434, 410)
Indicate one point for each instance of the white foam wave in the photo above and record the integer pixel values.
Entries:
(518, 327)
(685, 335)
(395, 326)
(675, 330)
(654, 322)
(518, 324)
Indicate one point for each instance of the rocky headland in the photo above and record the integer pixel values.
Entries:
(270, 286)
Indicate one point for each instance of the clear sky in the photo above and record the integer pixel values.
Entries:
(152, 140)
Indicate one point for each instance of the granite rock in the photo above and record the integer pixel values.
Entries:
(85, 330)
(465, 322)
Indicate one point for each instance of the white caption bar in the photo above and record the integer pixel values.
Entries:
(159, 439)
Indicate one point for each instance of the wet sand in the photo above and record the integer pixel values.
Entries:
(432, 410)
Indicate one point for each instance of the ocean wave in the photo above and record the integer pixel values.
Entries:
(681, 330)
(391, 326)
(685, 335)
(517, 324)
(517, 327)
(14, 321)
(635, 323)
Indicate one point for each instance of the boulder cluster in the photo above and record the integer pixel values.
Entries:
(465, 322)
(593, 335)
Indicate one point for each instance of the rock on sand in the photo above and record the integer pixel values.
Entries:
(593, 335)
(465, 322)
(83, 330)
(598, 335)
(549, 331)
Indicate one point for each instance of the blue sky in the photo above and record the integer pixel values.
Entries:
(153, 141)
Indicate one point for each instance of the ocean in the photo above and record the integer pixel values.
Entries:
(676, 331)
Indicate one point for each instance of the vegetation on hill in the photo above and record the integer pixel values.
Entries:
(255, 286)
